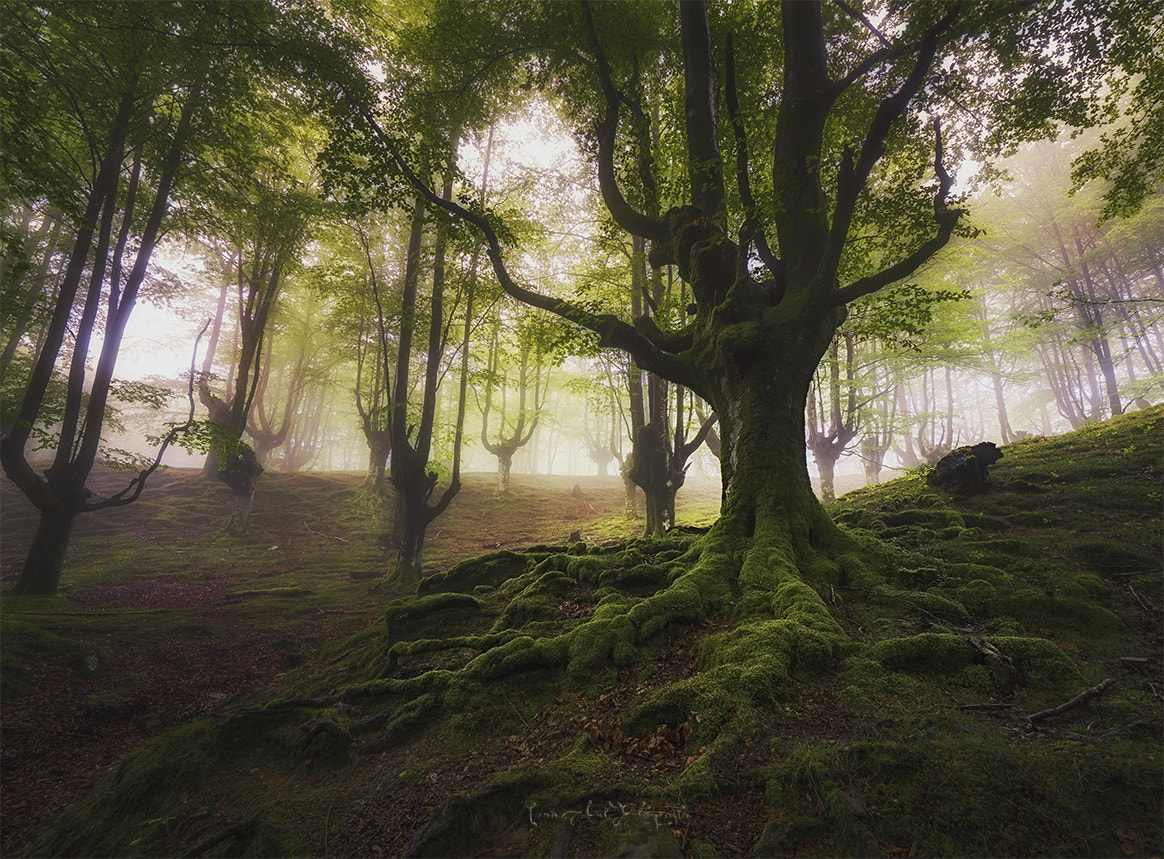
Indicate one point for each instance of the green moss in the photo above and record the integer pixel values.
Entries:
(1069, 615)
(405, 614)
(489, 570)
(1112, 557)
(933, 518)
(824, 570)
(921, 601)
(977, 678)
(28, 629)
(523, 610)
(1086, 586)
(983, 572)
(145, 786)
(640, 576)
(1002, 547)
(588, 568)
(610, 635)
(986, 523)
(928, 652)
(966, 793)
(1041, 664)
(856, 572)
(807, 774)
(978, 596)
(702, 701)
(953, 782)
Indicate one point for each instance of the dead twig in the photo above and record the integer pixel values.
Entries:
(1081, 698)
(307, 528)
(1145, 604)
(984, 706)
(510, 703)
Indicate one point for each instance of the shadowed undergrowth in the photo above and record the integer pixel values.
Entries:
(692, 696)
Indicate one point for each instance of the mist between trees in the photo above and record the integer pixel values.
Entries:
(1041, 323)
(354, 244)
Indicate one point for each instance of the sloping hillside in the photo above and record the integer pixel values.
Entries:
(944, 718)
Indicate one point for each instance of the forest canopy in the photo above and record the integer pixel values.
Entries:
(776, 229)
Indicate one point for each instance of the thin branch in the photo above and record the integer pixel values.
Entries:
(1081, 698)
(860, 16)
(751, 230)
(854, 176)
(611, 331)
(946, 219)
(624, 214)
(121, 499)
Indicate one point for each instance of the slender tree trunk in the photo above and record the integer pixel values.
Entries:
(653, 470)
(1000, 407)
(504, 469)
(41, 573)
(240, 517)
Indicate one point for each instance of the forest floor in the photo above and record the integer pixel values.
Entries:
(162, 617)
(168, 629)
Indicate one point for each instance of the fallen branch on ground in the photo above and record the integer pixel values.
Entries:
(1082, 697)
(307, 528)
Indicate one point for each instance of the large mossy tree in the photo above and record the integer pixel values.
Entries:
(799, 164)
(801, 126)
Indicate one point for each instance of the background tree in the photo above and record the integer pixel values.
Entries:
(532, 352)
(265, 212)
(134, 101)
(412, 429)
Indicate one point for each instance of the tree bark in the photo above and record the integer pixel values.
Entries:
(41, 573)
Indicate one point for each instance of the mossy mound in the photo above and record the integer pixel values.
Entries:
(706, 696)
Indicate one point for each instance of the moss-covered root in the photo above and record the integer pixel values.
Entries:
(779, 625)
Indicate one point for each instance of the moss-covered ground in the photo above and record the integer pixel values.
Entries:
(671, 698)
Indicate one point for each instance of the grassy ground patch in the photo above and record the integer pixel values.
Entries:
(643, 699)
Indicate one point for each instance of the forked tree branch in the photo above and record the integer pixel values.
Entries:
(854, 176)
(625, 215)
(947, 220)
(611, 331)
(751, 230)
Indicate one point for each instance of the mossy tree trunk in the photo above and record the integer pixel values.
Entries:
(750, 346)
(653, 468)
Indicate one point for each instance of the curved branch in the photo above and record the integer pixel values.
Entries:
(131, 492)
(668, 341)
(853, 176)
(611, 331)
(625, 215)
(947, 220)
(705, 429)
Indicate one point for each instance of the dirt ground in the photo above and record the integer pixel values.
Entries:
(151, 601)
